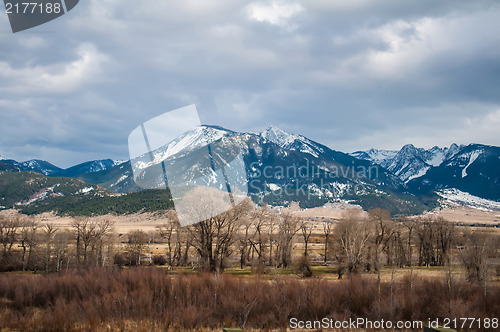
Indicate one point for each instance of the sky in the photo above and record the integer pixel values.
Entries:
(352, 75)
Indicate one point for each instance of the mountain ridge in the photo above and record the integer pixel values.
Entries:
(407, 177)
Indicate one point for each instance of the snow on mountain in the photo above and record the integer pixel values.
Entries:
(190, 140)
(434, 156)
(473, 169)
(100, 165)
(39, 166)
(410, 162)
(117, 162)
(455, 197)
(465, 158)
(374, 155)
(472, 157)
(291, 141)
(407, 164)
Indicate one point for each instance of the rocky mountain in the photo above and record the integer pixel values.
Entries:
(278, 168)
(293, 142)
(375, 155)
(410, 162)
(474, 169)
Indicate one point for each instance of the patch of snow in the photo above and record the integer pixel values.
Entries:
(85, 190)
(460, 198)
(121, 179)
(472, 158)
(375, 155)
(436, 159)
(273, 186)
(420, 173)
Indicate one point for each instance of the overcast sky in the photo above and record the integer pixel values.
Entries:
(352, 74)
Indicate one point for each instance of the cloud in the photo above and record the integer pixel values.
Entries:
(351, 74)
(276, 13)
(55, 78)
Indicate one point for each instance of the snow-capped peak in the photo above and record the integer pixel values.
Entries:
(194, 138)
(452, 150)
(197, 137)
(278, 136)
(291, 141)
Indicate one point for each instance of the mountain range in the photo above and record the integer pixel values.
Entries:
(282, 167)
(473, 168)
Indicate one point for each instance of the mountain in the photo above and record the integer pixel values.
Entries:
(35, 193)
(35, 165)
(46, 168)
(119, 178)
(473, 169)
(375, 155)
(280, 168)
(409, 162)
(292, 141)
(454, 197)
(89, 167)
(25, 188)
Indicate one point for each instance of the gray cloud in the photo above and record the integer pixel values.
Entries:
(351, 74)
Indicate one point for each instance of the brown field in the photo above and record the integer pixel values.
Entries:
(151, 299)
(148, 222)
(178, 298)
(468, 215)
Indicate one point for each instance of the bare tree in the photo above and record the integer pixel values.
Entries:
(28, 241)
(351, 242)
(273, 242)
(327, 230)
(382, 228)
(167, 231)
(137, 241)
(102, 243)
(212, 238)
(245, 234)
(261, 220)
(306, 231)
(475, 256)
(8, 234)
(445, 237)
(48, 231)
(287, 228)
(425, 234)
(62, 240)
(91, 238)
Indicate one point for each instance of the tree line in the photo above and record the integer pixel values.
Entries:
(260, 237)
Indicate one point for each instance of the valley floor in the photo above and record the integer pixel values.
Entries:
(152, 299)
